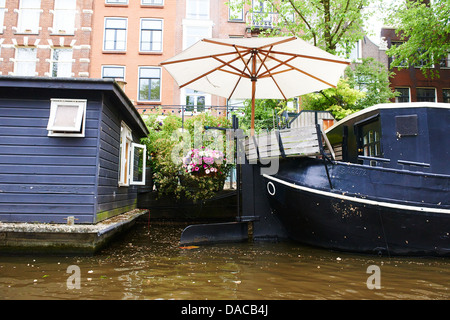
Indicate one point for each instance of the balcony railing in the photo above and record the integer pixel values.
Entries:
(256, 20)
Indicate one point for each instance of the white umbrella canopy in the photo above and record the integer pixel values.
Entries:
(255, 68)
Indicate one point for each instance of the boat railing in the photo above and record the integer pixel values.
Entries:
(293, 142)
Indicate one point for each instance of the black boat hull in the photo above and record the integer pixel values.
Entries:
(336, 218)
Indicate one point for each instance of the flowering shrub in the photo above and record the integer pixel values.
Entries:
(201, 173)
(203, 161)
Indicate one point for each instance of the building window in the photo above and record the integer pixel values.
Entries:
(262, 14)
(29, 13)
(196, 101)
(113, 72)
(446, 95)
(404, 95)
(151, 35)
(116, 1)
(152, 2)
(403, 63)
(64, 16)
(197, 9)
(61, 63)
(236, 14)
(3, 9)
(149, 84)
(25, 62)
(67, 118)
(132, 159)
(355, 54)
(426, 94)
(115, 34)
(194, 34)
(445, 62)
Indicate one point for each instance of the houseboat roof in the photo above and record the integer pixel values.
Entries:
(367, 112)
(109, 86)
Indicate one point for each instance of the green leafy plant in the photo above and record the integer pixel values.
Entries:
(169, 175)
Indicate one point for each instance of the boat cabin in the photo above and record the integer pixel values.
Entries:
(407, 136)
(68, 148)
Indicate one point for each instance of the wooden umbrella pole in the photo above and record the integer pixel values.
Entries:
(252, 130)
(253, 78)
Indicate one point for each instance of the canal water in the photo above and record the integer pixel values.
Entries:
(148, 263)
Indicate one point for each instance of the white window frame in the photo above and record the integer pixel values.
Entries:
(190, 36)
(126, 34)
(236, 15)
(116, 2)
(196, 13)
(18, 61)
(126, 157)
(23, 15)
(66, 13)
(3, 10)
(78, 130)
(111, 66)
(151, 32)
(152, 3)
(206, 107)
(135, 146)
(58, 62)
(142, 78)
(427, 88)
(409, 94)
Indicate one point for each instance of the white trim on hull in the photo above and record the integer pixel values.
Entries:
(360, 200)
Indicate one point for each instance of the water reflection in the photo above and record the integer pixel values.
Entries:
(149, 264)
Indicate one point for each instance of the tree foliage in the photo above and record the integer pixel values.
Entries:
(425, 30)
(328, 24)
(365, 84)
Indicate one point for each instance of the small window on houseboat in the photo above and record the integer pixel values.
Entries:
(371, 144)
(132, 159)
(67, 118)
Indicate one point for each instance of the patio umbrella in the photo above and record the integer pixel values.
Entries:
(256, 68)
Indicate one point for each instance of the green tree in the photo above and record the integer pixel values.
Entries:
(425, 30)
(340, 101)
(328, 24)
(267, 114)
(372, 78)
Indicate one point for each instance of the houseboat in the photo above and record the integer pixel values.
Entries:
(383, 185)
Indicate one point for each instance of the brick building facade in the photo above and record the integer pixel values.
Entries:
(412, 84)
(133, 37)
(46, 38)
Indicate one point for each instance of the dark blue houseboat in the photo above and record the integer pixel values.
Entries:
(386, 189)
(68, 147)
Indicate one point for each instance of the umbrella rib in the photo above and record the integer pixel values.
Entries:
(263, 60)
(197, 58)
(275, 73)
(243, 60)
(273, 79)
(265, 73)
(304, 72)
(237, 82)
(224, 44)
(307, 57)
(241, 73)
(219, 68)
(277, 43)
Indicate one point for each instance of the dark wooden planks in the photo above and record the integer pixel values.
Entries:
(45, 179)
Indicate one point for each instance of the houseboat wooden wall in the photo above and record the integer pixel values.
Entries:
(46, 179)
